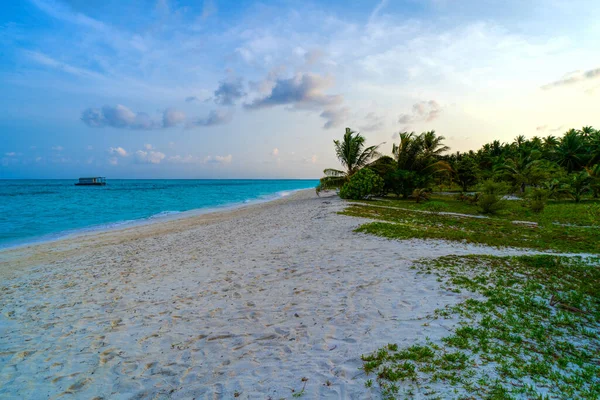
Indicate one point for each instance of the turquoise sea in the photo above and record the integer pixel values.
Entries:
(38, 210)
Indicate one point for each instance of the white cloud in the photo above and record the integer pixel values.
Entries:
(215, 117)
(118, 151)
(218, 159)
(574, 77)
(424, 111)
(10, 154)
(275, 152)
(189, 159)
(149, 157)
(113, 160)
(148, 146)
(58, 148)
(172, 118)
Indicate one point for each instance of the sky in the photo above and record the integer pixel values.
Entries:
(248, 89)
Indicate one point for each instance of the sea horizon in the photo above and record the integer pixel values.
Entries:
(42, 210)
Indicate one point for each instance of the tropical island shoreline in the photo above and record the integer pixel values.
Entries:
(275, 299)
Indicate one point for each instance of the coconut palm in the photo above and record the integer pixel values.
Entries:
(353, 156)
(594, 174)
(571, 153)
(587, 131)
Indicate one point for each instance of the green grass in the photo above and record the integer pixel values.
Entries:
(562, 212)
(499, 232)
(532, 333)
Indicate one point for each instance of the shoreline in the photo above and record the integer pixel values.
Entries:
(163, 216)
(247, 301)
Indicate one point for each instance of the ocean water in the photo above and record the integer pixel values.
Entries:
(38, 210)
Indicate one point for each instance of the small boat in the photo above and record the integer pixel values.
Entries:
(94, 181)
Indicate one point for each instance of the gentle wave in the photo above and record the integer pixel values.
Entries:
(157, 217)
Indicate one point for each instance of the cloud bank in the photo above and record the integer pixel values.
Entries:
(121, 117)
(424, 111)
(215, 117)
(229, 92)
(573, 78)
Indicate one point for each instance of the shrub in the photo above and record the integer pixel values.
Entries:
(401, 182)
(491, 187)
(362, 185)
(537, 206)
(420, 195)
(490, 200)
(537, 200)
(490, 203)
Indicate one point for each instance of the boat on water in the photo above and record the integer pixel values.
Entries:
(93, 181)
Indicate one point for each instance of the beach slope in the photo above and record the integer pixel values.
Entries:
(257, 302)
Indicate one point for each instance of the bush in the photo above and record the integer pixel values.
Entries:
(537, 200)
(362, 185)
(490, 203)
(537, 206)
(492, 187)
(401, 182)
(420, 195)
(490, 200)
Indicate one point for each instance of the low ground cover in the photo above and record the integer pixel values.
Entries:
(531, 331)
(396, 223)
(555, 211)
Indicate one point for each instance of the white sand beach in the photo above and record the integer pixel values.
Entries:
(243, 303)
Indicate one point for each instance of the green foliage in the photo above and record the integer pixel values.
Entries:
(353, 155)
(406, 222)
(466, 170)
(435, 207)
(420, 195)
(593, 212)
(402, 182)
(492, 187)
(535, 322)
(362, 185)
(537, 199)
(490, 200)
(579, 184)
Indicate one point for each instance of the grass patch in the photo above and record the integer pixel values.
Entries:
(556, 211)
(500, 232)
(534, 332)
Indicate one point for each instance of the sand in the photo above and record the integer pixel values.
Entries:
(243, 303)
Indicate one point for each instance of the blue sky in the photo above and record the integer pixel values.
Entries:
(246, 89)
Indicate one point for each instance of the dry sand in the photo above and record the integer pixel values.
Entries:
(244, 302)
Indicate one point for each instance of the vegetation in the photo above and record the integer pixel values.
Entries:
(566, 167)
(397, 222)
(362, 185)
(353, 155)
(532, 332)
(529, 326)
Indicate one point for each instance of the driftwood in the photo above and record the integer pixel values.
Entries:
(555, 302)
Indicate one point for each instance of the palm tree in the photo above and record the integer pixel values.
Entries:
(525, 168)
(433, 145)
(594, 173)
(550, 142)
(571, 152)
(579, 184)
(587, 131)
(353, 156)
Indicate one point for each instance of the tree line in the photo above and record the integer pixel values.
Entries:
(551, 167)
